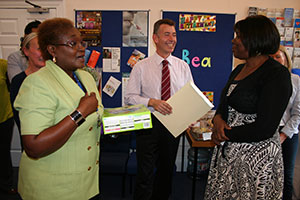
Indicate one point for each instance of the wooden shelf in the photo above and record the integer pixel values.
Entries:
(198, 143)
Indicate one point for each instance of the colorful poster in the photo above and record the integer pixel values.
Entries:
(89, 24)
(135, 57)
(209, 95)
(191, 22)
(93, 59)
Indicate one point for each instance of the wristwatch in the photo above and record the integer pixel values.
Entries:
(77, 117)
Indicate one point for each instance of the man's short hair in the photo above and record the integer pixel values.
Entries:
(30, 26)
(160, 22)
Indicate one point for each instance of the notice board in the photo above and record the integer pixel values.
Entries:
(109, 31)
(204, 42)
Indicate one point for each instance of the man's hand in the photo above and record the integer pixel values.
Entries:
(161, 106)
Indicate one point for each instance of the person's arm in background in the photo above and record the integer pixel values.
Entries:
(292, 124)
(16, 63)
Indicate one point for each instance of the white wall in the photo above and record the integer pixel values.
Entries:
(240, 7)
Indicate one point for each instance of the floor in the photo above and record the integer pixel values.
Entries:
(111, 188)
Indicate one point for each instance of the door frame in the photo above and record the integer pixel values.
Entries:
(57, 4)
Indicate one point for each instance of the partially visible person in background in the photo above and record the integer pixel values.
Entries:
(296, 178)
(16, 61)
(289, 125)
(6, 131)
(31, 50)
(60, 113)
(247, 161)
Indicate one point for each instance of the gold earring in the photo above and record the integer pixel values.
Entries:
(54, 59)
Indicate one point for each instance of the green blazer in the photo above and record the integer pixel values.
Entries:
(71, 172)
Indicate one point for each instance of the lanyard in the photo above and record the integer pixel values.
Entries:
(78, 82)
(99, 122)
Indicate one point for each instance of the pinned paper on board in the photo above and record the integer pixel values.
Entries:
(111, 59)
(135, 57)
(125, 79)
(135, 29)
(87, 54)
(111, 86)
(89, 24)
(93, 59)
(191, 22)
(297, 37)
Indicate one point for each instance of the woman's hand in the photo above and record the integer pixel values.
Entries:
(88, 104)
(218, 134)
(282, 137)
(54, 137)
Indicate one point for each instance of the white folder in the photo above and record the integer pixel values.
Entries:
(188, 105)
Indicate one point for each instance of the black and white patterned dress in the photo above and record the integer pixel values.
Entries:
(246, 170)
(249, 165)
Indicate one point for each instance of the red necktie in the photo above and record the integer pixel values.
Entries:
(165, 81)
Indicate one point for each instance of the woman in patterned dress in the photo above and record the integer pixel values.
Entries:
(247, 161)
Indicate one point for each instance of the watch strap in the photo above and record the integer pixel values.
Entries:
(77, 117)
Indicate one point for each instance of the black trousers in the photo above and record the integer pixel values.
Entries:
(6, 170)
(156, 154)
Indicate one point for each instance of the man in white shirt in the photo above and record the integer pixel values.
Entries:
(16, 61)
(156, 147)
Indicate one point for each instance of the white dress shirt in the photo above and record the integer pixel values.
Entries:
(291, 117)
(145, 79)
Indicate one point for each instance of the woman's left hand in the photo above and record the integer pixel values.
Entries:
(218, 134)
